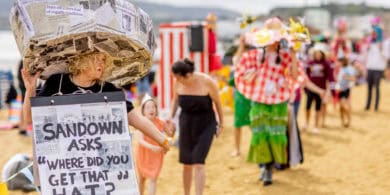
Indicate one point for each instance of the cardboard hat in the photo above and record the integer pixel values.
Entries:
(50, 34)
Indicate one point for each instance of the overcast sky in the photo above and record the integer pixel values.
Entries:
(260, 6)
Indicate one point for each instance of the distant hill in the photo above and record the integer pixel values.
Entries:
(169, 12)
(158, 12)
(334, 9)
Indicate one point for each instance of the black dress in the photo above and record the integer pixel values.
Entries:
(197, 128)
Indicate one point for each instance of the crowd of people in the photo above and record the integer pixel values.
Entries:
(269, 82)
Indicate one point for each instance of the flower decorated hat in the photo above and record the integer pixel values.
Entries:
(272, 31)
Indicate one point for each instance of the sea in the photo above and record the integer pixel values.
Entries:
(9, 52)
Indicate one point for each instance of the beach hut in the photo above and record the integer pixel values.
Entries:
(178, 41)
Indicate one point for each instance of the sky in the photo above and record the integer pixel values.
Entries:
(260, 6)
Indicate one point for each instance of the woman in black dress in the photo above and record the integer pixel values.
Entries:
(195, 93)
(87, 73)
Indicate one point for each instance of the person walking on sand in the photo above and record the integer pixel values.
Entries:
(375, 65)
(265, 76)
(345, 80)
(88, 72)
(320, 73)
(242, 105)
(195, 93)
(149, 155)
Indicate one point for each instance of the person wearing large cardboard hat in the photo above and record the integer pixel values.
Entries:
(87, 71)
(267, 76)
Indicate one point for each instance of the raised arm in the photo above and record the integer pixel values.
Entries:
(30, 82)
(294, 64)
(240, 51)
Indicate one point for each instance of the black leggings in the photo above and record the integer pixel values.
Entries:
(311, 96)
(373, 80)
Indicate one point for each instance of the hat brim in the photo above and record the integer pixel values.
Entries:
(265, 37)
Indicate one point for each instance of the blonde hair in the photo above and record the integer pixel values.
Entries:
(87, 61)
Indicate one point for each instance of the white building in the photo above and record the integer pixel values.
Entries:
(318, 18)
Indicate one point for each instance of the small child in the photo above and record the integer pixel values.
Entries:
(345, 80)
(149, 156)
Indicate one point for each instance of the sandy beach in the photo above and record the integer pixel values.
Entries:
(338, 160)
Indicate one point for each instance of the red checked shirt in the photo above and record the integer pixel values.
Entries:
(272, 83)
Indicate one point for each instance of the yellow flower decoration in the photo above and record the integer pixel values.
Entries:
(297, 46)
(247, 20)
(263, 37)
(299, 31)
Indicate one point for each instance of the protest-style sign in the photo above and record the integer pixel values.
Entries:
(83, 145)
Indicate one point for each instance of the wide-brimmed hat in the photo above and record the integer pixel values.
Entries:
(272, 31)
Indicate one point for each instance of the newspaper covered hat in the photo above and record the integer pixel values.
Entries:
(51, 33)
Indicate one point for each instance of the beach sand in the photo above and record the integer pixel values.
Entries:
(338, 160)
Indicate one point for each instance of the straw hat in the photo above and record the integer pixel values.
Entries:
(272, 31)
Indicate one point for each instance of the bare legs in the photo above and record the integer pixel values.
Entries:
(141, 183)
(345, 112)
(323, 114)
(187, 179)
(200, 178)
(151, 187)
(237, 141)
(307, 119)
(199, 175)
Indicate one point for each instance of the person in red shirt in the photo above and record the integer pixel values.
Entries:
(215, 63)
(320, 73)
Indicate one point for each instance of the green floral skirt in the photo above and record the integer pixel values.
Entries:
(269, 133)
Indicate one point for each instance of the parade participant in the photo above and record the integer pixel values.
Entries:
(87, 74)
(214, 60)
(345, 79)
(265, 76)
(195, 93)
(242, 105)
(149, 155)
(375, 65)
(320, 73)
(341, 46)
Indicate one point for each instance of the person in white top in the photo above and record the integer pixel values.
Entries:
(376, 64)
(386, 52)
